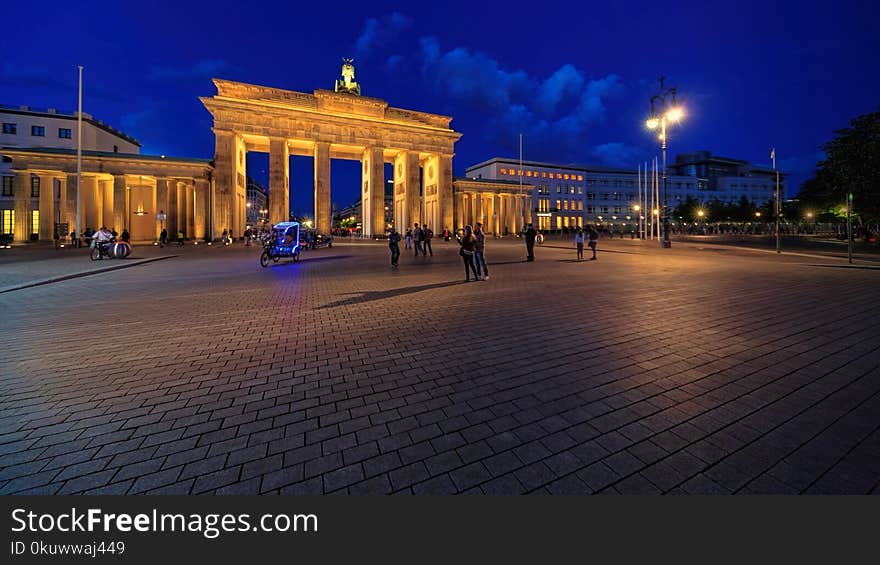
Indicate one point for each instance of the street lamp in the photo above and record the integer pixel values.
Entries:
(662, 112)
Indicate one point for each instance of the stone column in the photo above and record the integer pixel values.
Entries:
(444, 192)
(498, 215)
(373, 193)
(120, 204)
(190, 197)
(478, 215)
(279, 181)
(91, 207)
(161, 203)
(22, 193)
(459, 210)
(71, 203)
(62, 204)
(527, 202)
(47, 207)
(180, 209)
(490, 214)
(201, 207)
(224, 180)
(511, 213)
(322, 187)
(105, 193)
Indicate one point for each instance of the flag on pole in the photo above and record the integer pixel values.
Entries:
(773, 156)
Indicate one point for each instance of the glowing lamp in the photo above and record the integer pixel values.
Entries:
(675, 114)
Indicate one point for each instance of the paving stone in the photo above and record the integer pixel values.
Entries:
(749, 402)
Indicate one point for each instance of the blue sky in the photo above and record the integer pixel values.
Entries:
(574, 78)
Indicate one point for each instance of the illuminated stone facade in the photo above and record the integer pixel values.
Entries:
(120, 191)
(330, 125)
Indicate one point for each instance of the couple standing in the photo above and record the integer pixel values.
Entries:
(473, 249)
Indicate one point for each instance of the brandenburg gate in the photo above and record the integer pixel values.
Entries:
(338, 124)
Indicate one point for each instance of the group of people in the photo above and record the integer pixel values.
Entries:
(163, 237)
(473, 246)
(419, 238)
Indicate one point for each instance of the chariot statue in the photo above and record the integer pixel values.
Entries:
(347, 83)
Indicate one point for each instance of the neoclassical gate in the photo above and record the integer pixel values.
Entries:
(330, 125)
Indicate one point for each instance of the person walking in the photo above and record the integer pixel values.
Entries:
(394, 246)
(467, 243)
(179, 238)
(594, 238)
(480, 252)
(579, 242)
(426, 244)
(530, 236)
(247, 237)
(446, 235)
(163, 237)
(408, 239)
(418, 235)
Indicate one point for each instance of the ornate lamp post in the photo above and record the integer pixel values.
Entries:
(663, 111)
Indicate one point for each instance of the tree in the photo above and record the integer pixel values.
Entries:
(852, 164)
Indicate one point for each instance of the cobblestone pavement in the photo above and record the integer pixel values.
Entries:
(680, 371)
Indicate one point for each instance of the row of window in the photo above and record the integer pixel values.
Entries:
(9, 190)
(9, 221)
(37, 131)
(540, 174)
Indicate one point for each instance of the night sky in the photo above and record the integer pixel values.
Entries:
(574, 78)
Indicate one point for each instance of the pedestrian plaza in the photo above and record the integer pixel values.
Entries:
(699, 369)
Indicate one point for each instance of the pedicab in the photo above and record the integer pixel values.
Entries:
(283, 241)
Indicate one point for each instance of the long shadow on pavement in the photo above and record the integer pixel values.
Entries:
(372, 295)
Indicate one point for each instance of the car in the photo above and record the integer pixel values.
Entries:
(314, 240)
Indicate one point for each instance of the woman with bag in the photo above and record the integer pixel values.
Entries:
(467, 253)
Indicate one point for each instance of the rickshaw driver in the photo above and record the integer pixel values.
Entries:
(289, 237)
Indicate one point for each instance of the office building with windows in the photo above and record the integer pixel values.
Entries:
(565, 196)
(25, 127)
(120, 188)
(729, 179)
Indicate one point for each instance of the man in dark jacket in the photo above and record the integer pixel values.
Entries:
(530, 236)
(394, 246)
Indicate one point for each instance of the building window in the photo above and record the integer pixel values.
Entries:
(116, 150)
(38, 131)
(35, 187)
(558, 188)
(591, 209)
(7, 186)
(591, 196)
(8, 221)
(558, 204)
(580, 205)
(11, 129)
(580, 190)
(35, 221)
(65, 133)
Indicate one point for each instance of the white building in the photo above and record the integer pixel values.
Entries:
(27, 128)
(572, 195)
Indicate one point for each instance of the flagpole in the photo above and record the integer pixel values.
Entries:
(778, 203)
(79, 131)
(521, 184)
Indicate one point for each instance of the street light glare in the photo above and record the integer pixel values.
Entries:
(652, 123)
(675, 114)
(700, 213)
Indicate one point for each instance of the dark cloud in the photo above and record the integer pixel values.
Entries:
(378, 32)
(13, 75)
(616, 154)
(200, 70)
(555, 114)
